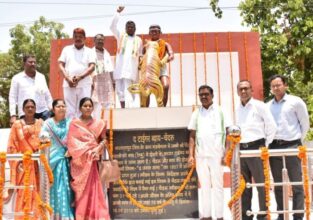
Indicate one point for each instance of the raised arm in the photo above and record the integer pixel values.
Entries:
(113, 26)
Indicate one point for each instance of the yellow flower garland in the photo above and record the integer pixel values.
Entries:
(303, 156)
(265, 158)
(3, 159)
(42, 207)
(238, 193)
(229, 155)
(47, 167)
(128, 195)
(27, 192)
(165, 203)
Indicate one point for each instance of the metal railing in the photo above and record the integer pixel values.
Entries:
(235, 175)
(43, 178)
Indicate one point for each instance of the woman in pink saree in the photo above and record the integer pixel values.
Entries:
(86, 143)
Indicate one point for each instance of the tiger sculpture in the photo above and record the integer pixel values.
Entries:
(149, 73)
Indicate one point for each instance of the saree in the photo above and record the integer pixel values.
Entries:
(24, 138)
(90, 203)
(61, 195)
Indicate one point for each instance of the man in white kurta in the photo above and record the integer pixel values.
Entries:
(127, 61)
(76, 63)
(206, 147)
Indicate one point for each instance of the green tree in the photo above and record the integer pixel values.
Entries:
(26, 40)
(286, 30)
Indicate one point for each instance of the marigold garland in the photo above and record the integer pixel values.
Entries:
(27, 161)
(195, 65)
(229, 154)
(303, 156)
(238, 193)
(165, 203)
(218, 68)
(204, 57)
(181, 69)
(47, 167)
(265, 158)
(44, 145)
(231, 73)
(3, 159)
(42, 207)
(162, 48)
(129, 196)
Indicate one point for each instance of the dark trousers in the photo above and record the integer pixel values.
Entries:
(252, 167)
(293, 165)
(43, 115)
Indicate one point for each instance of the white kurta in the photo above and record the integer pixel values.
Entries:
(76, 62)
(210, 126)
(127, 57)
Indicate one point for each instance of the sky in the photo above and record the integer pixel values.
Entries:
(174, 16)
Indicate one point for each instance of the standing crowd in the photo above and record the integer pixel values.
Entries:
(282, 123)
(78, 135)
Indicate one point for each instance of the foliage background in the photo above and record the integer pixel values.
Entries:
(286, 36)
(32, 40)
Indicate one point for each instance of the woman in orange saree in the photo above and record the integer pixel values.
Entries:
(24, 136)
(86, 143)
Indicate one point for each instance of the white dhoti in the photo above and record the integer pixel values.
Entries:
(72, 97)
(210, 174)
(131, 100)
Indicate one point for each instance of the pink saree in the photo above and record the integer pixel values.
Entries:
(90, 203)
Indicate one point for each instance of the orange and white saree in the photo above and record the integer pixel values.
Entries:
(24, 138)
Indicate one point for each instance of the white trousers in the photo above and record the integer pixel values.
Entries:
(72, 97)
(131, 100)
(210, 174)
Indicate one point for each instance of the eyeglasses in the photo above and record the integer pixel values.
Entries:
(244, 88)
(204, 94)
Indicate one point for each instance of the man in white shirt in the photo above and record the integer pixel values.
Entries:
(102, 78)
(127, 61)
(76, 63)
(257, 130)
(206, 147)
(292, 120)
(29, 84)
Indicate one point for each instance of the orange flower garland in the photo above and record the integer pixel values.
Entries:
(229, 155)
(27, 161)
(265, 158)
(42, 207)
(303, 156)
(238, 193)
(195, 65)
(165, 203)
(3, 159)
(162, 48)
(47, 167)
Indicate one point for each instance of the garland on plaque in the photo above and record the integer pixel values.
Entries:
(266, 169)
(129, 195)
(165, 203)
(304, 161)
